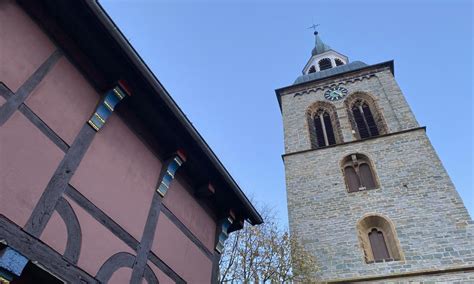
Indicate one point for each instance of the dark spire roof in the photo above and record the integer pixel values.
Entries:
(319, 45)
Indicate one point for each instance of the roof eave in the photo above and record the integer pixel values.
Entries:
(99, 11)
(96, 47)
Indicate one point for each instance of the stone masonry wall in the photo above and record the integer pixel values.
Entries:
(441, 278)
(434, 228)
(381, 85)
(415, 193)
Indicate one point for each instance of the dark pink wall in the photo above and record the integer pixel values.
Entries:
(64, 100)
(121, 276)
(28, 160)
(119, 175)
(55, 233)
(176, 250)
(118, 172)
(98, 243)
(162, 277)
(23, 45)
(190, 212)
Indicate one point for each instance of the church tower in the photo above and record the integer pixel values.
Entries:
(367, 193)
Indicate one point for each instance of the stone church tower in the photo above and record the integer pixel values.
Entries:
(367, 193)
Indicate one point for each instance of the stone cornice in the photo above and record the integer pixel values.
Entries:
(335, 83)
(404, 274)
(355, 141)
(336, 79)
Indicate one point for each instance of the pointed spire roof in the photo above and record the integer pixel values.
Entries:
(319, 45)
(339, 63)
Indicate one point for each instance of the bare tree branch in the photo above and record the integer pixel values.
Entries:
(266, 254)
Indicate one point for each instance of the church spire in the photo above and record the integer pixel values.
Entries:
(323, 57)
(319, 45)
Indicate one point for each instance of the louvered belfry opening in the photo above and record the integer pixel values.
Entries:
(338, 62)
(329, 129)
(323, 125)
(325, 64)
(364, 119)
(358, 173)
(312, 69)
(378, 245)
(324, 130)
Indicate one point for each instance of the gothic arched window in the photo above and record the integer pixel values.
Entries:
(363, 114)
(338, 62)
(323, 128)
(358, 173)
(323, 125)
(324, 64)
(312, 69)
(364, 119)
(378, 239)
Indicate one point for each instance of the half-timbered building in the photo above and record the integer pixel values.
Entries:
(102, 176)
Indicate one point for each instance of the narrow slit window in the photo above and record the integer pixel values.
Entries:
(364, 119)
(370, 120)
(329, 129)
(324, 129)
(319, 132)
(359, 120)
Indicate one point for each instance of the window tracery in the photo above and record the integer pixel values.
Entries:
(378, 239)
(364, 116)
(364, 119)
(324, 130)
(358, 173)
(323, 125)
(378, 245)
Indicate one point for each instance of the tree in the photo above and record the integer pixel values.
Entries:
(265, 254)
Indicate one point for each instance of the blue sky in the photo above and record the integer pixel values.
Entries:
(222, 60)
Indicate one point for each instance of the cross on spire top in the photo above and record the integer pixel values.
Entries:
(314, 28)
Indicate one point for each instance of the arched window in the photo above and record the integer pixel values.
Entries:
(364, 119)
(323, 125)
(358, 173)
(312, 69)
(363, 114)
(338, 62)
(323, 128)
(378, 245)
(378, 239)
(324, 64)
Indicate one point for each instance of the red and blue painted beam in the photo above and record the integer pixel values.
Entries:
(168, 175)
(108, 104)
(12, 264)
